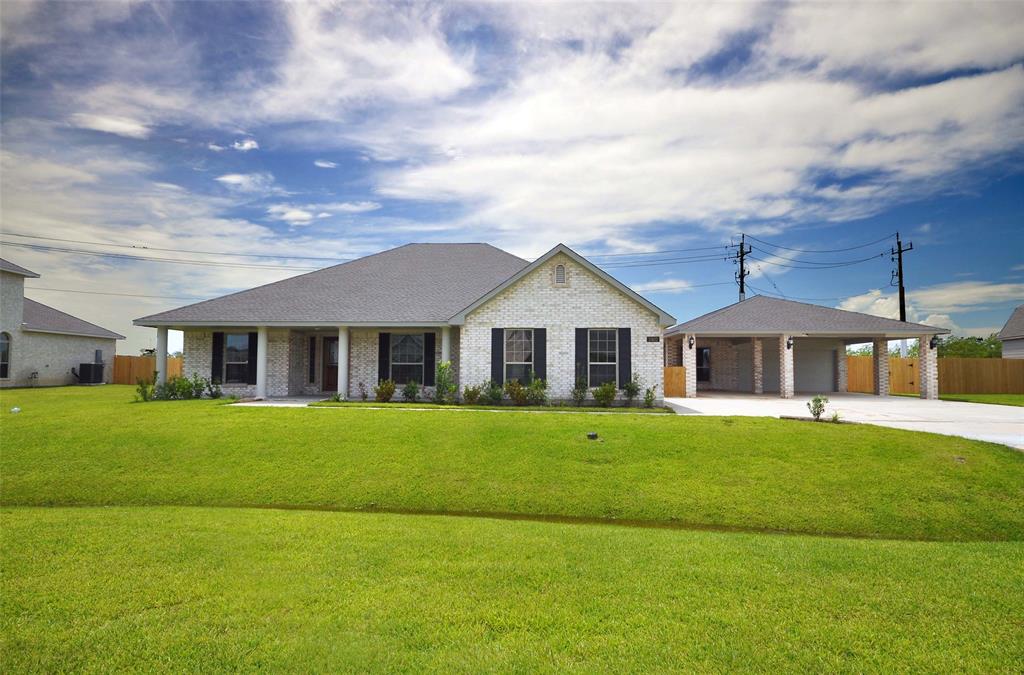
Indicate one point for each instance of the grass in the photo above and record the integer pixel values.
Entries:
(528, 408)
(199, 589)
(92, 447)
(997, 399)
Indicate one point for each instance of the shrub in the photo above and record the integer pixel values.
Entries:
(144, 389)
(649, 396)
(631, 389)
(198, 384)
(537, 392)
(605, 394)
(492, 393)
(516, 392)
(411, 391)
(444, 383)
(471, 395)
(817, 406)
(383, 392)
(579, 392)
(336, 398)
(835, 417)
(363, 394)
(213, 389)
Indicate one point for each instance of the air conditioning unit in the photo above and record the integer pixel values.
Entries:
(90, 373)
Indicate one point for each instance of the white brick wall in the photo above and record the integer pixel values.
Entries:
(928, 366)
(198, 348)
(880, 364)
(585, 301)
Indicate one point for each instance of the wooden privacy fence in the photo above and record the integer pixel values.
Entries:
(675, 381)
(131, 369)
(956, 376)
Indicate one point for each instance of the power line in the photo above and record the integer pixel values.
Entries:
(126, 295)
(674, 250)
(824, 263)
(769, 293)
(171, 250)
(822, 266)
(822, 250)
(663, 261)
(684, 287)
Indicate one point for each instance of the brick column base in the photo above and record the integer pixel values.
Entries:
(928, 368)
(758, 360)
(880, 362)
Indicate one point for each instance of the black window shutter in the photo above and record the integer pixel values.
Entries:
(625, 356)
(254, 341)
(429, 344)
(498, 355)
(581, 354)
(217, 367)
(383, 356)
(540, 353)
(312, 359)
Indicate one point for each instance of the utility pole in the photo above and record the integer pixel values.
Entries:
(897, 257)
(743, 273)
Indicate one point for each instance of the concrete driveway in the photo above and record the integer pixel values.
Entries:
(995, 423)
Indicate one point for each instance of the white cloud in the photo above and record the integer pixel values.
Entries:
(111, 124)
(290, 214)
(351, 207)
(304, 214)
(324, 164)
(245, 145)
(247, 182)
(663, 286)
(215, 147)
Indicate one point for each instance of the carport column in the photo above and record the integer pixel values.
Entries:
(757, 348)
(446, 343)
(841, 379)
(785, 367)
(343, 362)
(690, 363)
(928, 367)
(880, 360)
(161, 355)
(261, 362)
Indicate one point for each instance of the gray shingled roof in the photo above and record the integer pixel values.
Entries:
(1014, 327)
(762, 315)
(8, 266)
(44, 319)
(411, 284)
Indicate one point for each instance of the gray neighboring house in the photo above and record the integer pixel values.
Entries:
(1012, 335)
(768, 345)
(396, 314)
(40, 345)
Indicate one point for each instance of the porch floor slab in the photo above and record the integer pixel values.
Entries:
(994, 423)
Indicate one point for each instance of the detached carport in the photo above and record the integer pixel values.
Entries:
(767, 345)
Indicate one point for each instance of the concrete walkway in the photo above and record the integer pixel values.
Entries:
(995, 423)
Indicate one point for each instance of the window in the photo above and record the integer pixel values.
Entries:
(312, 360)
(5, 355)
(518, 354)
(236, 358)
(703, 364)
(560, 274)
(602, 359)
(407, 358)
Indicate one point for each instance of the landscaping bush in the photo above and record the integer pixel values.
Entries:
(579, 392)
(537, 392)
(144, 389)
(631, 390)
(383, 392)
(444, 383)
(471, 395)
(213, 389)
(363, 394)
(516, 392)
(411, 392)
(605, 394)
(198, 384)
(492, 393)
(817, 406)
(649, 396)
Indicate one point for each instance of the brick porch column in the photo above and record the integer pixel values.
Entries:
(841, 379)
(690, 363)
(928, 368)
(757, 347)
(786, 386)
(880, 362)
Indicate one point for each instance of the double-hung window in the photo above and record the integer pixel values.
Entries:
(5, 355)
(603, 354)
(236, 358)
(703, 364)
(518, 354)
(406, 358)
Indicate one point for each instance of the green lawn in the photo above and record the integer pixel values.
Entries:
(997, 399)
(113, 557)
(88, 446)
(179, 589)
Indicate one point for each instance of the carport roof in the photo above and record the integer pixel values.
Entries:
(762, 315)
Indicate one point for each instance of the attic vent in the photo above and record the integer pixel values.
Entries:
(560, 274)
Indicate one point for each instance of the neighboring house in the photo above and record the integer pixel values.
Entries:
(40, 345)
(768, 345)
(396, 314)
(1012, 335)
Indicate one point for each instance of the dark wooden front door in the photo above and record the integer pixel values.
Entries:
(330, 378)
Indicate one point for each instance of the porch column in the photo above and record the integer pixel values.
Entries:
(446, 344)
(786, 386)
(690, 363)
(928, 367)
(880, 362)
(757, 349)
(343, 361)
(841, 378)
(161, 354)
(261, 362)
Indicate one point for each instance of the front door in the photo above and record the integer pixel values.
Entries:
(330, 378)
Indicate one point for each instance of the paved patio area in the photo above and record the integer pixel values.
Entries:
(995, 423)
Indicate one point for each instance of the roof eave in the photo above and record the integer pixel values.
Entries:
(111, 336)
(179, 324)
(910, 333)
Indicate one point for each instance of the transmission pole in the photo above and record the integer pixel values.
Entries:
(743, 273)
(897, 257)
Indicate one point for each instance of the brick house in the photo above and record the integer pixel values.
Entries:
(43, 346)
(396, 314)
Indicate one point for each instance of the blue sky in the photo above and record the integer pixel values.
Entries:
(327, 131)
